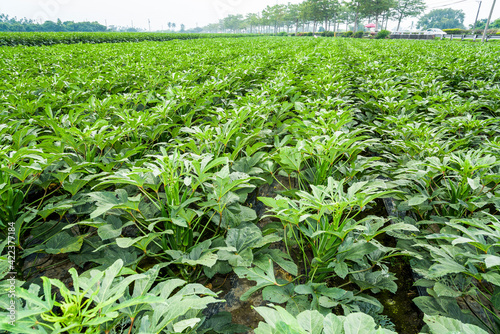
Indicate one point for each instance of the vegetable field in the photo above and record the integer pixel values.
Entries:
(44, 38)
(347, 184)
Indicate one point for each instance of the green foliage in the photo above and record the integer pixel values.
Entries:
(456, 185)
(27, 25)
(456, 31)
(156, 154)
(464, 251)
(439, 324)
(446, 18)
(409, 8)
(382, 34)
(101, 300)
(348, 34)
(358, 34)
(49, 38)
(278, 320)
(324, 220)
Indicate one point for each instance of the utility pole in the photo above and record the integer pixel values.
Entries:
(488, 22)
(149, 24)
(477, 16)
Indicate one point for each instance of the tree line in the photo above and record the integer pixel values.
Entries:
(336, 15)
(331, 15)
(19, 25)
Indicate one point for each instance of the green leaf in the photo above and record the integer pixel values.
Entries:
(297, 304)
(474, 183)
(262, 277)
(356, 251)
(280, 258)
(207, 260)
(445, 291)
(183, 324)
(358, 323)
(63, 242)
(495, 299)
(284, 328)
(493, 278)
(417, 200)
(311, 321)
(444, 267)
(127, 242)
(333, 324)
(440, 325)
(492, 260)
(275, 294)
(243, 237)
(341, 269)
(113, 228)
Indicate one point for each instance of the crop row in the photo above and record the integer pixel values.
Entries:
(44, 38)
(262, 158)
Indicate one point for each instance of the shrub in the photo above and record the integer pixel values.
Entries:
(489, 32)
(456, 31)
(383, 34)
(358, 34)
(348, 34)
(328, 34)
(283, 33)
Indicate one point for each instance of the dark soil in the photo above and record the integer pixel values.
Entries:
(399, 307)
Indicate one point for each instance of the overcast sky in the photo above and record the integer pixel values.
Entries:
(192, 13)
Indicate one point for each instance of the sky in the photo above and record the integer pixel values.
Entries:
(191, 13)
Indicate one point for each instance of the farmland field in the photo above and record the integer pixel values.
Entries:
(138, 180)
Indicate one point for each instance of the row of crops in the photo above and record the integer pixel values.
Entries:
(44, 38)
(135, 178)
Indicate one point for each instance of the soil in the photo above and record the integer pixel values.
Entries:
(231, 288)
(399, 307)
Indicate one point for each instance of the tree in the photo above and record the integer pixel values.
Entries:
(304, 13)
(481, 24)
(377, 8)
(346, 15)
(275, 15)
(495, 24)
(356, 7)
(409, 8)
(252, 20)
(328, 10)
(233, 22)
(446, 18)
(293, 15)
(183, 27)
(316, 11)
